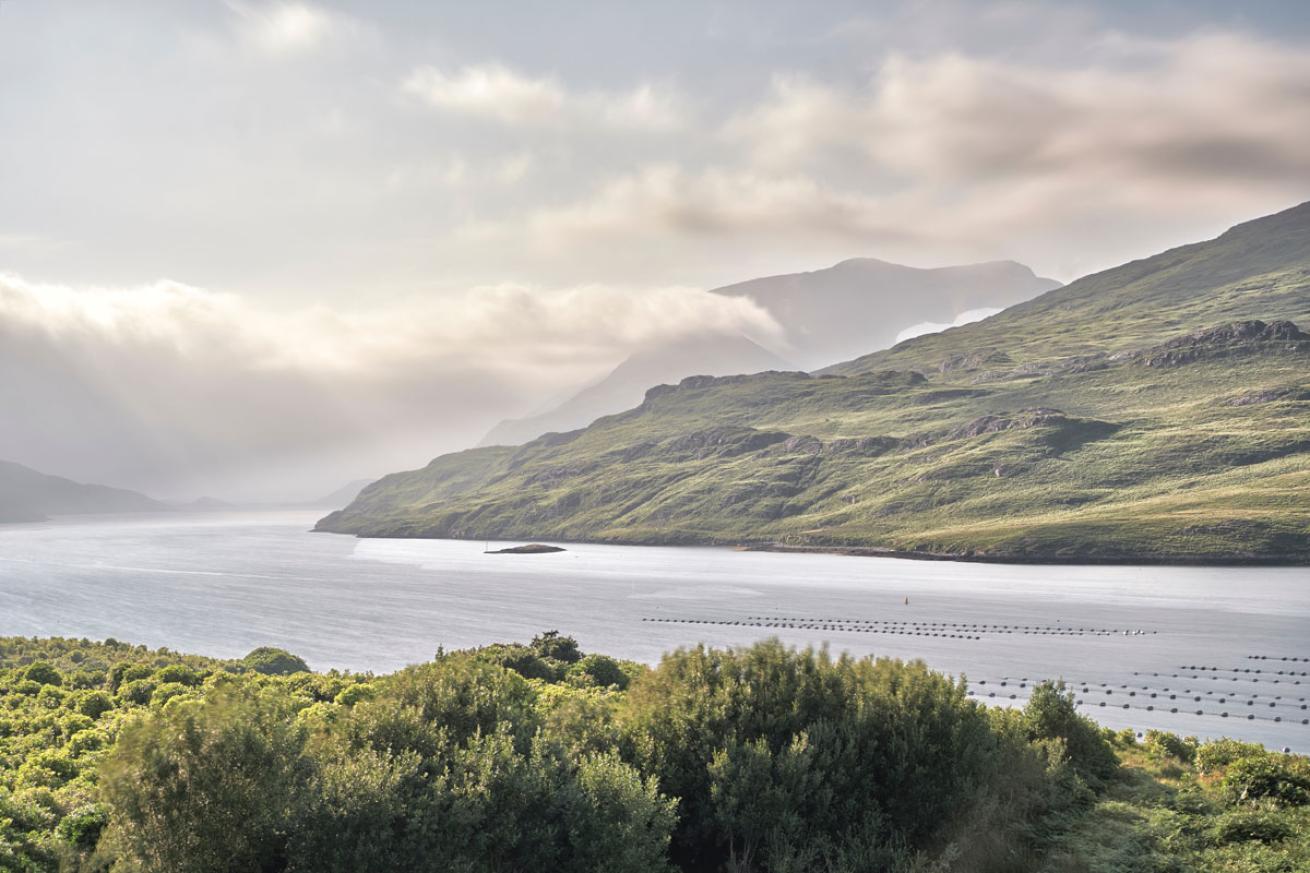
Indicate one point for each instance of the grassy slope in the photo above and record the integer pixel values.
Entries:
(1162, 815)
(894, 450)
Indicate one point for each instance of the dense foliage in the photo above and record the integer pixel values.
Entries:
(1181, 807)
(541, 757)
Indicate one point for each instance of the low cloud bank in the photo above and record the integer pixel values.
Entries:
(181, 391)
(963, 318)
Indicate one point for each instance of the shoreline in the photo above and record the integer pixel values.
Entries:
(1054, 560)
(889, 552)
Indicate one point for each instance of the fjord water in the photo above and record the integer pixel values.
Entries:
(1134, 637)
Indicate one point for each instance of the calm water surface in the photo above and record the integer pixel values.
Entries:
(222, 584)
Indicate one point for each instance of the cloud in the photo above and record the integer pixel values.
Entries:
(666, 200)
(489, 91)
(966, 317)
(493, 91)
(1208, 110)
(948, 156)
(289, 27)
(168, 386)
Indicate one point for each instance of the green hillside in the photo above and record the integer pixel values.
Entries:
(1159, 411)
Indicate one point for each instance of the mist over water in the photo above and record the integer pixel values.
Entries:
(223, 584)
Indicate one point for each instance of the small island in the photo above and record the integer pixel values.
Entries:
(529, 549)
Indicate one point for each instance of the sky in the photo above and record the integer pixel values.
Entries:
(286, 243)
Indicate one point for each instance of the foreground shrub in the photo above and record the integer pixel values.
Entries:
(1243, 827)
(1050, 714)
(206, 786)
(449, 767)
(1279, 778)
(1168, 745)
(779, 755)
(1214, 756)
(527, 758)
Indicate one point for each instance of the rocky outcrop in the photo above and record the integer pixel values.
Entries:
(1239, 337)
(974, 360)
(697, 383)
(1268, 395)
(723, 442)
(1024, 418)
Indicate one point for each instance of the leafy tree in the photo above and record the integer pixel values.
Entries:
(1281, 779)
(431, 708)
(360, 813)
(773, 751)
(1051, 714)
(553, 644)
(617, 822)
(524, 660)
(212, 785)
(177, 673)
(43, 674)
(94, 704)
(599, 670)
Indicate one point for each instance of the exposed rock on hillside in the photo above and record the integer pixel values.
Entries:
(1269, 395)
(974, 360)
(723, 442)
(1239, 337)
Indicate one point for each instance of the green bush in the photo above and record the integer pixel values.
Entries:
(87, 678)
(168, 691)
(81, 828)
(180, 674)
(600, 670)
(1051, 714)
(772, 751)
(49, 768)
(352, 694)
(552, 644)
(1279, 778)
(206, 786)
(524, 660)
(43, 674)
(274, 662)
(1214, 756)
(94, 704)
(89, 740)
(1168, 745)
(1258, 826)
(138, 691)
(762, 759)
(125, 672)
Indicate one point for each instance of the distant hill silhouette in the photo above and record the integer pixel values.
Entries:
(29, 495)
(860, 305)
(829, 315)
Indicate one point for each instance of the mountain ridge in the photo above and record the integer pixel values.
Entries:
(859, 304)
(28, 495)
(1137, 415)
(623, 387)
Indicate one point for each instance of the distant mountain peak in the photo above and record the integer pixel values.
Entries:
(860, 305)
